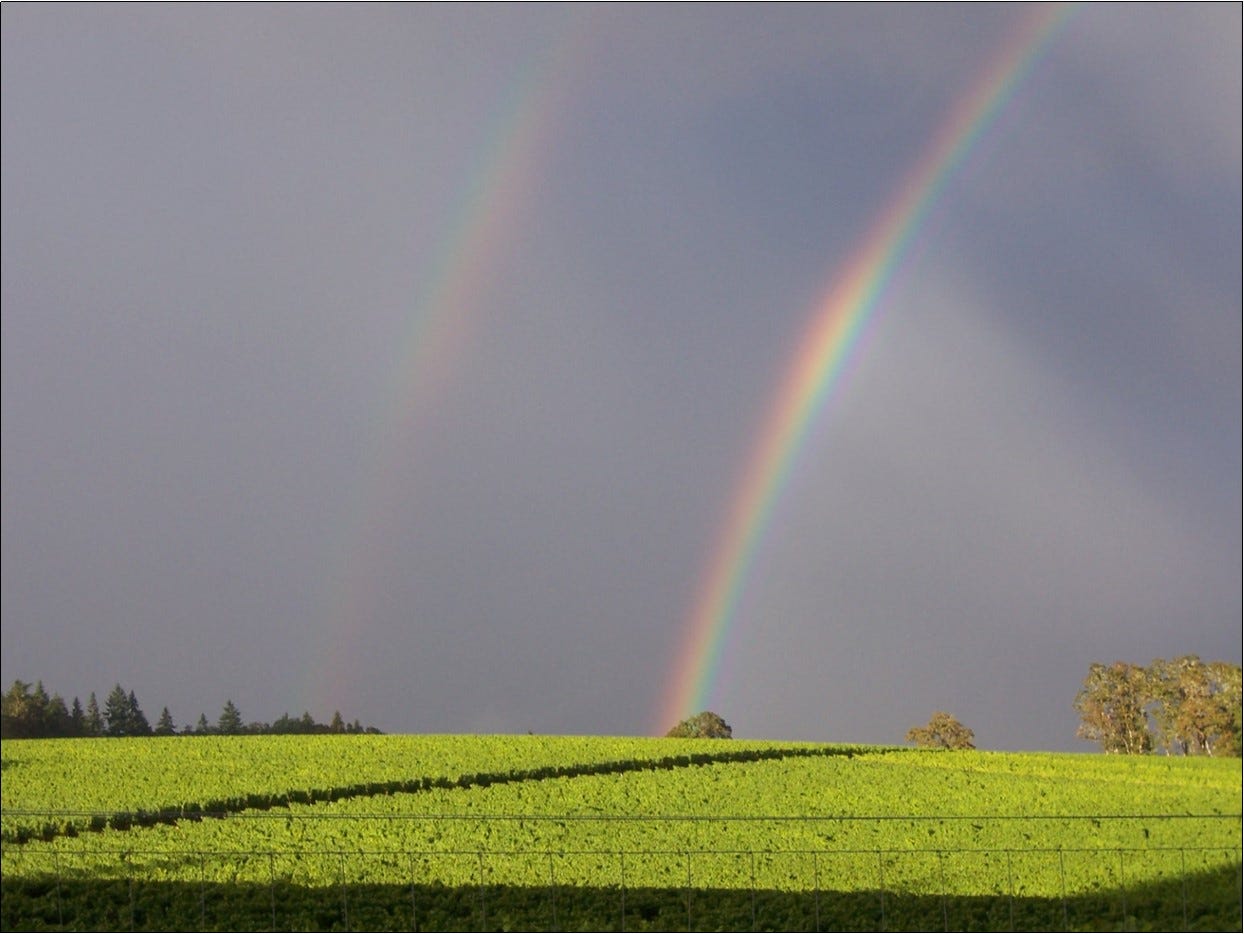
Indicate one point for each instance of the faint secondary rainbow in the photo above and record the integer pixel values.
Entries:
(442, 319)
(823, 352)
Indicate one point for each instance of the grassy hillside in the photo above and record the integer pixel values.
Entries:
(522, 831)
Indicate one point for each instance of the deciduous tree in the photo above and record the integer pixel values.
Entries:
(704, 725)
(942, 732)
(1112, 706)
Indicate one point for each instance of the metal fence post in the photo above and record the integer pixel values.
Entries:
(1010, 886)
(753, 856)
(881, 887)
(483, 911)
(1183, 886)
(941, 873)
(272, 887)
(345, 901)
(414, 903)
(1062, 882)
(552, 891)
(1122, 887)
(622, 881)
(203, 891)
(816, 889)
(60, 910)
(688, 855)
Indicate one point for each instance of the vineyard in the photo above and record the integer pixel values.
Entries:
(525, 832)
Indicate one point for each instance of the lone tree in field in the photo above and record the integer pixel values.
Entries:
(704, 725)
(942, 732)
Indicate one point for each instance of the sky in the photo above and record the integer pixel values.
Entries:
(406, 361)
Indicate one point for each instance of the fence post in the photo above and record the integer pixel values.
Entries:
(552, 891)
(688, 855)
(203, 890)
(881, 887)
(1062, 882)
(1122, 887)
(816, 889)
(622, 880)
(60, 911)
(272, 887)
(941, 874)
(1010, 886)
(345, 901)
(483, 911)
(753, 856)
(1183, 886)
(414, 903)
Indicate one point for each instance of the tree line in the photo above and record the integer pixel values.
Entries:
(28, 712)
(1183, 706)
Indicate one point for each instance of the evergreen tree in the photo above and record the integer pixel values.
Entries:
(77, 719)
(164, 726)
(56, 718)
(38, 710)
(284, 724)
(230, 722)
(338, 725)
(117, 712)
(93, 723)
(138, 725)
(201, 728)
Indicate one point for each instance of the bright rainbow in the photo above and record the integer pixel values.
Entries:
(813, 375)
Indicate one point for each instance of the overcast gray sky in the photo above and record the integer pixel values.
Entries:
(403, 360)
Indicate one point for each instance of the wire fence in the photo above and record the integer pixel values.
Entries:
(77, 884)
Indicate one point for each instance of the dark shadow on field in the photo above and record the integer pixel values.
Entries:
(1209, 901)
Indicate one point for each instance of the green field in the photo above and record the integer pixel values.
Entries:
(527, 832)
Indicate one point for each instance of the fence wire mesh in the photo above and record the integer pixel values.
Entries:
(87, 881)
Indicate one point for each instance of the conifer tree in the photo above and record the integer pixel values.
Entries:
(117, 712)
(138, 725)
(77, 719)
(164, 726)
(93, 723)
(230, 722)
(56, 718)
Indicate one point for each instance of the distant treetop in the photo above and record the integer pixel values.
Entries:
(704, 725)
(942, 732)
